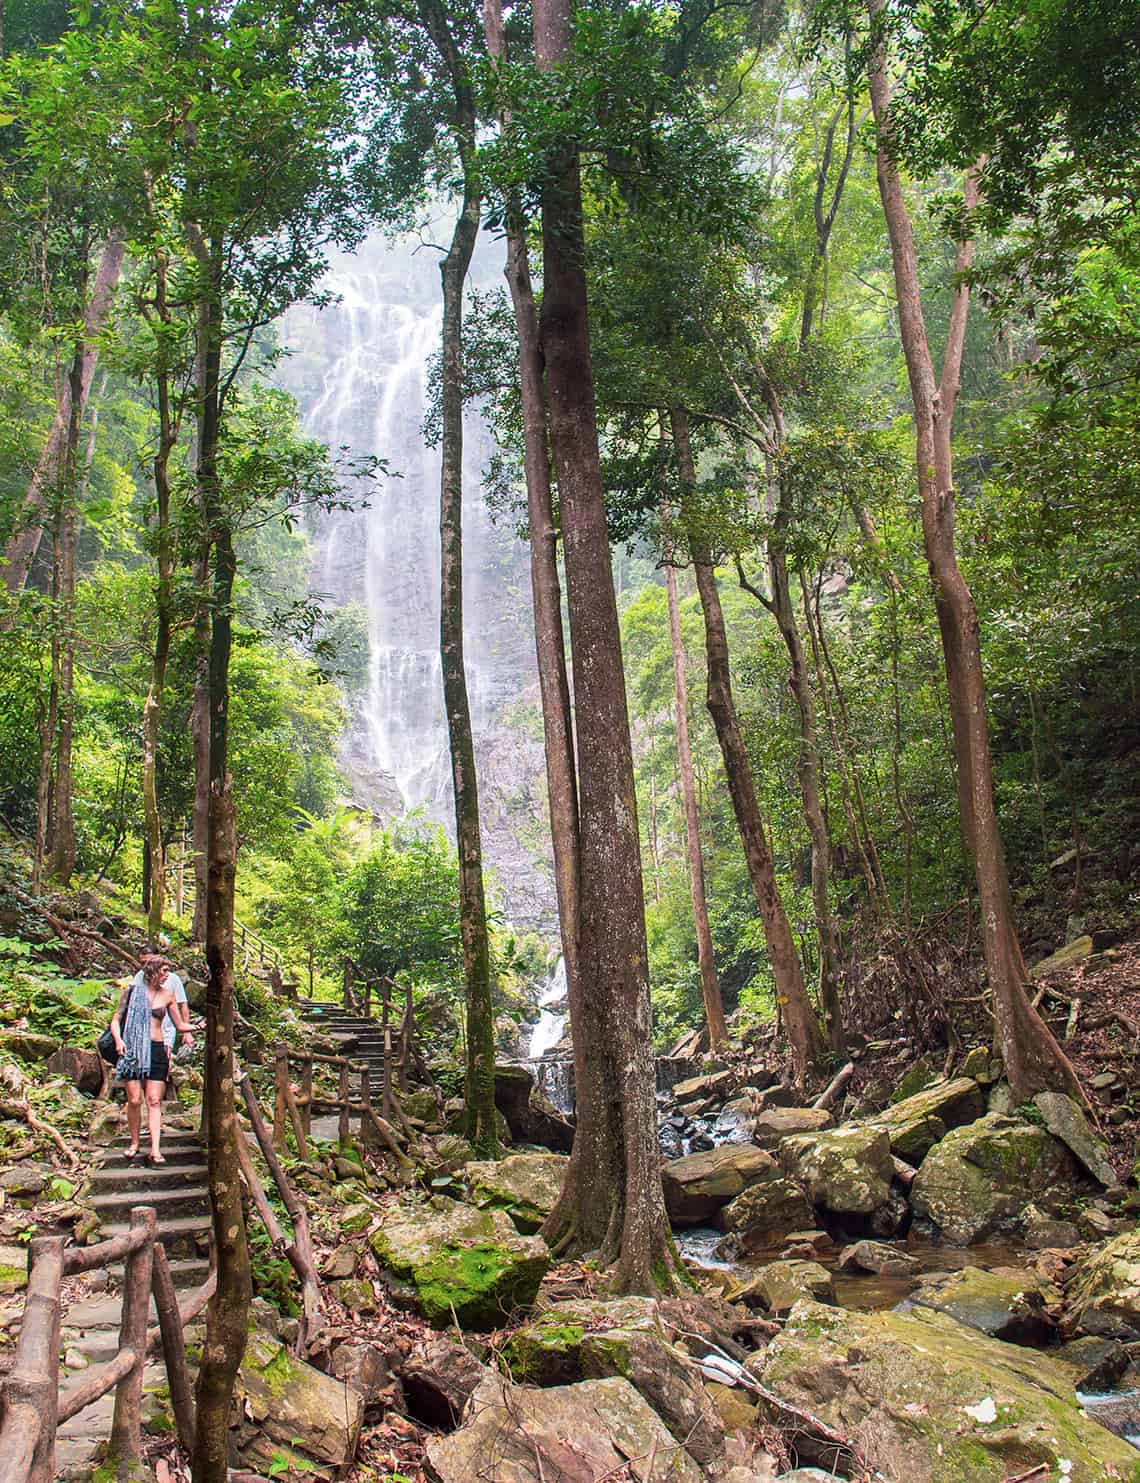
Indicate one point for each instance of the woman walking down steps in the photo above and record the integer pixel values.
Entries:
(144, 1055)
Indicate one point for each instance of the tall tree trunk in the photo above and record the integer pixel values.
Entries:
(63, 814)
(152, 707)
(227, 1316)
(616, 1188)
(804, 1036)
(46, 723)
(23, 545)
(809, 771)
(549, 639)
(710, 983)
(200, 735)
(1033, 1059)
(480, 1067)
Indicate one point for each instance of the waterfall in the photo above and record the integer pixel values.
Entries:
(361, 371)
(553, 1075)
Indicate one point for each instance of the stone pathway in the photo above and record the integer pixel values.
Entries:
(90, 1330)
(357, 1036)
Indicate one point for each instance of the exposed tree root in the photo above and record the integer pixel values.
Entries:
(21, 1109)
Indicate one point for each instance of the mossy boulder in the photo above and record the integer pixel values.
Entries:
(1066, 1121)
(764, 1212)
(525, 1185)
(463, 1264)
(916, 1123)
(775, 1123)
(289, 1410)
(28, 1046)
(1103, 1289)
(697, 1186)
(915, 1393)
(629, 1337)
(845, 1170)
(595, 1429)
(780, 1286)
(979, 1179)
(1020, 1307)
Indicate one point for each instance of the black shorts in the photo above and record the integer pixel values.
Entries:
(159, 1064)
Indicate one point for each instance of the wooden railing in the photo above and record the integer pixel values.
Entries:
(293, 1105)
(31, 1407)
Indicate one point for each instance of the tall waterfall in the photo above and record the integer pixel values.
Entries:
(361, 370)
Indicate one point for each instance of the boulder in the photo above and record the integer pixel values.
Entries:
(774, 1123)
(1095, 1364)
(697, 1186)
(525, 1185)
(877, 1258)
(439, 1378)
(929, 1400)
(980, 1178)
(1103, 1290)
(765, 1212)
(716, 1086)
(780, 1285)
(1043, 1230)
(630, 1337)
(290, 1411)
(1066, 1121)
(365, 1369)
(1073, 952)
(1005, 1303)
(463, 1264)
(83, 1068)
(583, 1432)
(846, 1171)
(13, 1269)
(915, 1124)
(530, 1119)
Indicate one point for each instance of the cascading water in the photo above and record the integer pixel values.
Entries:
(552, 1073)
(361, 371)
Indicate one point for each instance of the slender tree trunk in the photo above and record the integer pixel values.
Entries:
(62, 814)
(152, 708)
(549, 639)
(616, 1186)
(23, 545)
(200, 734)
(799, 1017)
(1033, 1059)
(47, 724)
(480, 1070)
(710, 983)
(808, 771)
(226, 1321)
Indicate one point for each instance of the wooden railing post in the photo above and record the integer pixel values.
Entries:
(29, 1393)
(366, 1135)
(280, 1097)
(407, 1032)
(174, 1344)
(126, 1423)
(348, 975)
(386, 1022)
(343, 1134)
(307, 1096)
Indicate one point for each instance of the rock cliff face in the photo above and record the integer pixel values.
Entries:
(362, 371)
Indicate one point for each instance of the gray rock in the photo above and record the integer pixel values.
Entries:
(1020, 1307)
(1103, 1290)
(877, 1258)
(290, 1410)
(1066, 1121)
(847, 1170)
(697, 1186)
(775, 1123)
(767, 1211)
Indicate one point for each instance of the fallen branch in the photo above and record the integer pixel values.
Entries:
(66, 928)
(22, 1110)
(834, 1087)
(1071, 1025)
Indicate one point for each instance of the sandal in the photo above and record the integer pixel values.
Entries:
(155, 1163)
(132, 1155)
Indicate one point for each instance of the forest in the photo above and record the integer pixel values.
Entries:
(734, 904)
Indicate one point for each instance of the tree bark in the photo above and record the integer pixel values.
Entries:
(710, 983)
(804, 1036)
(549, 639)
(615, 1190)
(63, 849)
(23, 545)
(480, 1020)
(1033, 1059)
(226, 1322)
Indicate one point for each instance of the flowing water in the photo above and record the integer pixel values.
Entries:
(362, 370)
(552, 1074)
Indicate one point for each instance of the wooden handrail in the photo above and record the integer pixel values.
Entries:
(31, 1407)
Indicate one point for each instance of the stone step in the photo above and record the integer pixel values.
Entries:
(143, 1178)
(174, 1150)
(192, 1199)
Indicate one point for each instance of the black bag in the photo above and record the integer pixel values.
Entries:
(105, 1045)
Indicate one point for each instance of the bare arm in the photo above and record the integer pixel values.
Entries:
(180, 1014)
(117, 1019)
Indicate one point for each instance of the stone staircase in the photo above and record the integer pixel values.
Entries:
(361, 1037)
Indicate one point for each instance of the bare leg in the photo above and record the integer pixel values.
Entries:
(134, 1113)
(154, 1091)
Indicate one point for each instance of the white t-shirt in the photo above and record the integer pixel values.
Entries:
(171, 981)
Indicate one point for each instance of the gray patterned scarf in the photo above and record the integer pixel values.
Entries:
(136, 1034)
